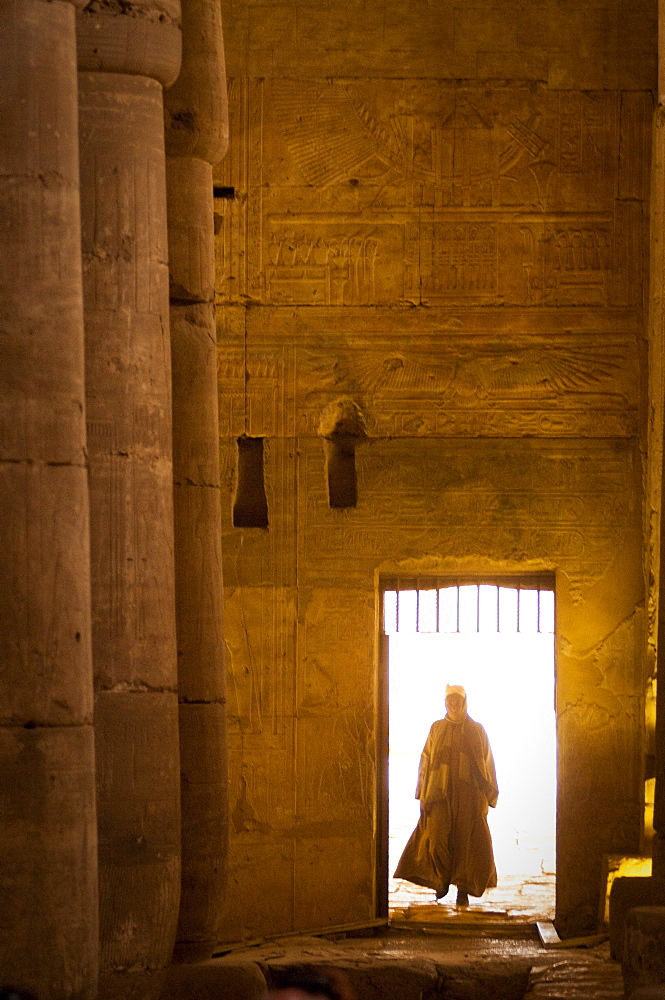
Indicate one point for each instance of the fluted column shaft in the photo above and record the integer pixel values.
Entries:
(48, 846)
(196, 137)
(657, 399)
(126, 56)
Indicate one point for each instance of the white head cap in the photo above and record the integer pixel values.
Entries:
(455, 689)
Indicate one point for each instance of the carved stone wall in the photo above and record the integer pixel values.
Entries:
(439, 215)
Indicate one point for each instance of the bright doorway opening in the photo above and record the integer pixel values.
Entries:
(495, 637)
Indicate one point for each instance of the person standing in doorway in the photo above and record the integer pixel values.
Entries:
(452, 844)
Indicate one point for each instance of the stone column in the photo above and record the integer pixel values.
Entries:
(196, 138)
(48, 844)
(657, 400)
(127, 53)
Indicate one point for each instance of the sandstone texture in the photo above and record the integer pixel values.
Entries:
(128, 398)
(643, 959)
(439, 218)
(48, 838)
(196, 121)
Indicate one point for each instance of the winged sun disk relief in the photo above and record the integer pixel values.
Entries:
(479, 374)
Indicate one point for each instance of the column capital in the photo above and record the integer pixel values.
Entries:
(196, 117)
(140, 39)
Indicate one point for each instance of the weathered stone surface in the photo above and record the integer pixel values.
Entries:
(460, 257)
(48, 875)
(656, 536)
(140, 39)
(128, 391)
(204, 791)
(643, 961)
(48, 879)
(131, 985)
(196, 119)
(210, 980)
(627, 893)
(196, 112)
(491, 980)
(200, 625)
(139, 827)
(423, 978)
(190, 227)
(417, 980)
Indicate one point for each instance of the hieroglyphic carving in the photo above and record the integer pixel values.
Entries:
(583, 132)
(567, 265)
(386, 193)
(361, 161)
(319, 267)
(460, 259)
(415, 420)
(447, 146)
(582, 504)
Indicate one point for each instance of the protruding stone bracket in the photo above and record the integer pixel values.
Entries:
(342, 426)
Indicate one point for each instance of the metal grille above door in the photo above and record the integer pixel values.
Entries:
(466, 604)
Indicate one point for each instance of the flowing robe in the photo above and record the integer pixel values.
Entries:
(451, 844)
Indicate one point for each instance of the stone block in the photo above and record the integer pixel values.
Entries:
(625, 894)
(381, 980)
(378, 979)
(48, 884)
(204, 828)
(643, 961)
(198, 594)
(490, 980)
(213, 979)
(45, 614)
(136, 985)
(138, 800)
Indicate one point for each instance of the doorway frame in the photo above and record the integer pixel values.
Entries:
(423, 581)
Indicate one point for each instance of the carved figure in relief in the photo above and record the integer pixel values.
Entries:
(456, 784)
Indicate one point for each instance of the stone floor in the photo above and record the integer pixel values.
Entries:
(566, 974)
(530, 895)
(495, 933)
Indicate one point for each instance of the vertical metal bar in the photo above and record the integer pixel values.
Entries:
(477, 607)
(457, 589)
(437, 609)
(397, 608)
(383, 804)
(518, 607)
(498, 624)
(417, 605)
(538, 609)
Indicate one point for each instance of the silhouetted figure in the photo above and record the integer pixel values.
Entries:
(451, 844)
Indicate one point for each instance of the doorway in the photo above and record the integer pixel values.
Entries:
(495, 636)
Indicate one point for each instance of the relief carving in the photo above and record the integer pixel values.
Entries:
(462, 259)
(460, 374)
(332, 177)
(567, 265)
(330, 269)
